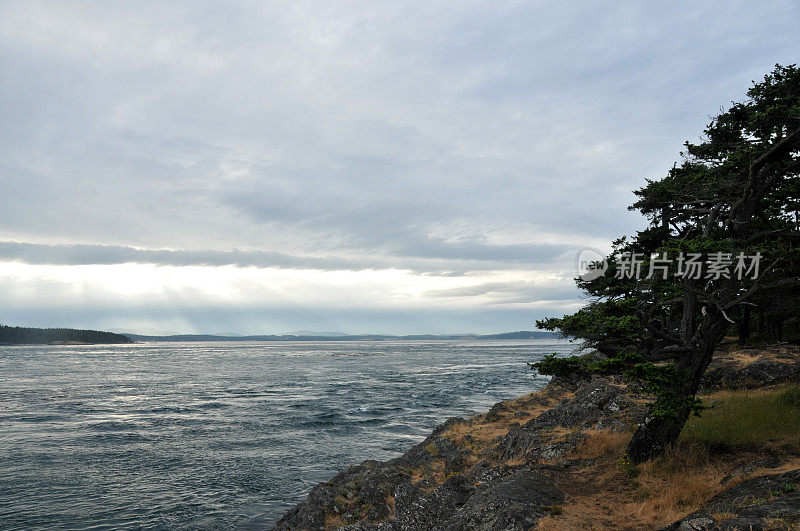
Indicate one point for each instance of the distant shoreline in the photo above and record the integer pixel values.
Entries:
(19, 335)
(16, 335)
(356, 337)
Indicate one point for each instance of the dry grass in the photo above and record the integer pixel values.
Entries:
(390, 502)
(730, 350)
(481, 432)
(477, 435)
(602, 443)
(609, 493)
(777, 354)
(334, 522)
(433, 469)
(663, 491)
(594, 521)
(660, 493)
(680, 482)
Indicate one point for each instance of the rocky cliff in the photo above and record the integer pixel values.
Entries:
(530, 460)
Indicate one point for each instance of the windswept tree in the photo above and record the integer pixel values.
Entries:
(722, 241)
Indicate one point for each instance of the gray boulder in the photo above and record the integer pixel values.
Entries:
(766, 502)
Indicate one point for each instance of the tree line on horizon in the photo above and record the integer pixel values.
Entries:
(18, 335)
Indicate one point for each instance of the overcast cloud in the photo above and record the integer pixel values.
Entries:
(259, 167)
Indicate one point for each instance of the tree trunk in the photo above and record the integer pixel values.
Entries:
(744, 325)
(653, 437)
(689, 312)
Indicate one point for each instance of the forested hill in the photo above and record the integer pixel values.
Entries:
(17, 335)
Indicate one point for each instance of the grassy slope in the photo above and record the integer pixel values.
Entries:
(738, 419)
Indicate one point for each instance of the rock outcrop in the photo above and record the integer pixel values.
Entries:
(514, 465)
(458, 480)
(751, 368)
(766, 502)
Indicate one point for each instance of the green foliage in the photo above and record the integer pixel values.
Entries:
(606, 326)
(655, 379)
(736, 191)
(552, 365)
(790, 397)
(786, 488)
(626, 466)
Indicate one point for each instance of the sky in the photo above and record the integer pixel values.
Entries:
(358, 167)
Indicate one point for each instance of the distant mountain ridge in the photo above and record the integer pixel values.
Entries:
(18, 335)
(525, 334)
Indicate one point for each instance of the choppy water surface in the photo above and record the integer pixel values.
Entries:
(223, 435)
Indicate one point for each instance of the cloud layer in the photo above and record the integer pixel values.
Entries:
(466, 140)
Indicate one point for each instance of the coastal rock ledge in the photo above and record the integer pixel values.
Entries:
(526, 461)
(493, 471)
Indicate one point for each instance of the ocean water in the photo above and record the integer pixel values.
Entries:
(223, 435)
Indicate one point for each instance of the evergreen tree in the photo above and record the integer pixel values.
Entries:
(734, 201)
